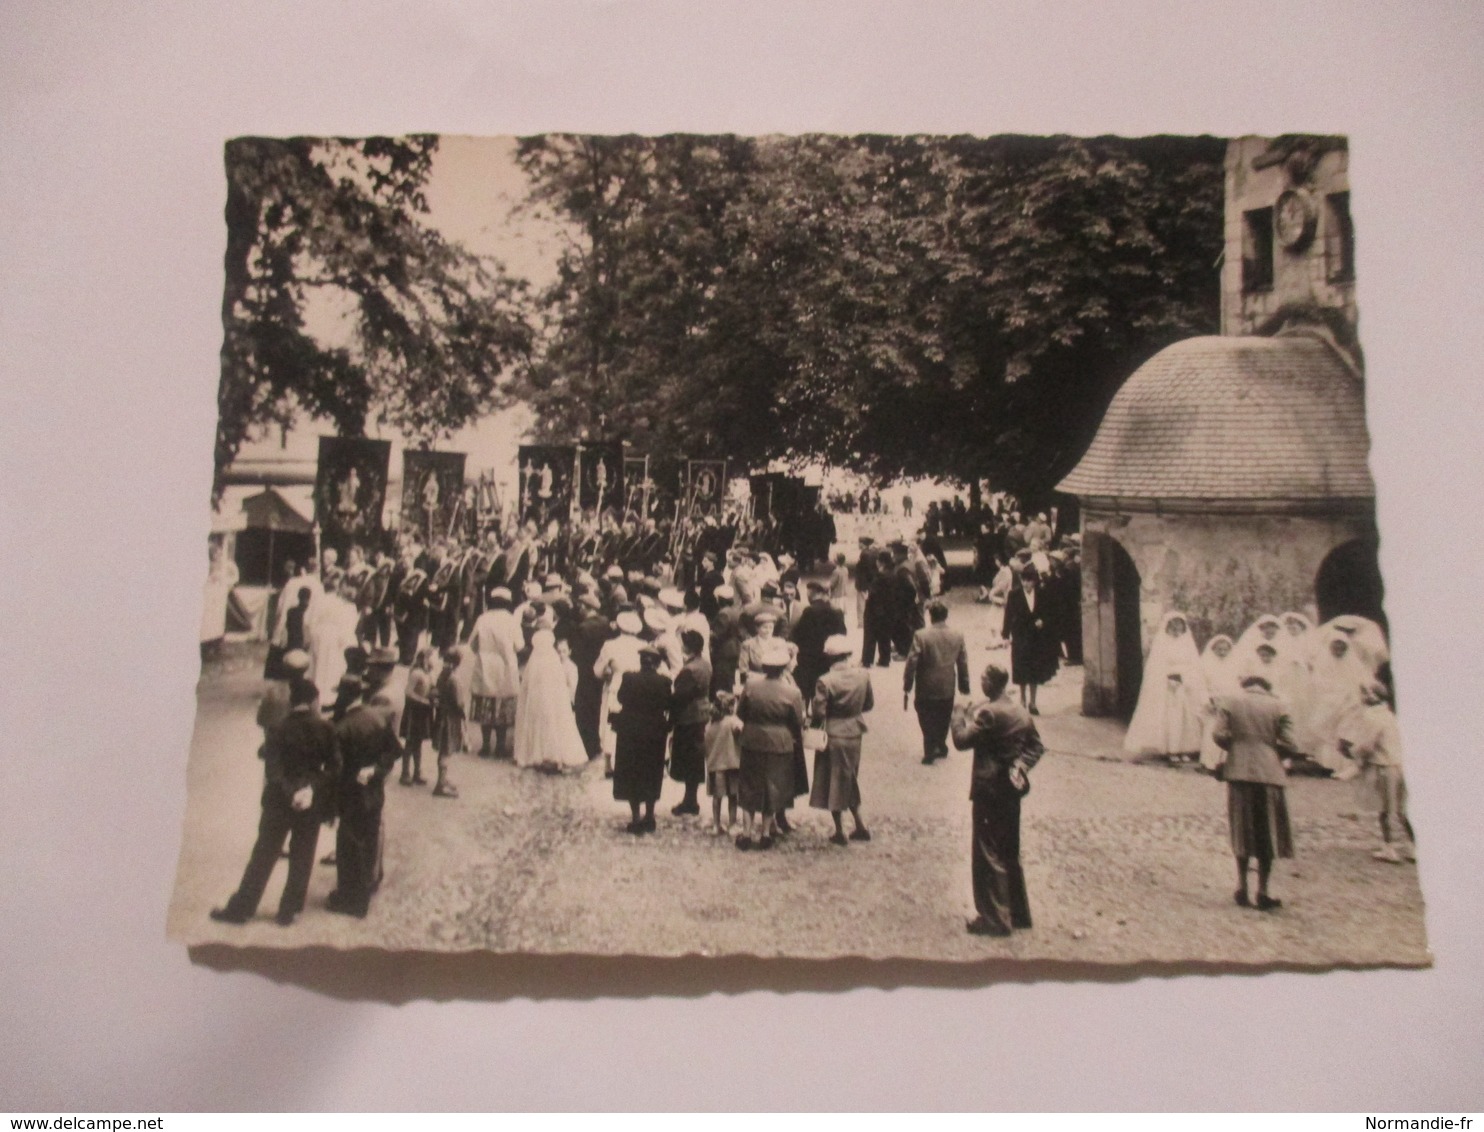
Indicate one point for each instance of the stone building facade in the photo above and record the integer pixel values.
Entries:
(1229, 476)
(1290, 241)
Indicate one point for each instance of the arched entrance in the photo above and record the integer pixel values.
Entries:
(1113, 647)
(1349, 581)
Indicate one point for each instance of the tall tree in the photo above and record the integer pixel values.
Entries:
(949, 306)
(323, 231)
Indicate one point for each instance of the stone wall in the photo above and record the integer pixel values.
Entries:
(1300, 275)
(1222, 570)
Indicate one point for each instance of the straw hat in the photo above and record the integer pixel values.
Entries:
(838, 645)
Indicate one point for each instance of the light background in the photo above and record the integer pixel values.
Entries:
(111, 238)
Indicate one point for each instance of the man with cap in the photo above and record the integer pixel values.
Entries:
(710, 577)
(495, 687)
(688, 716)
(301, 763)
(368, 750)
(818, 622)
(1006, 746)
(937, 656)
(841, 695)
(275, 704)
(726, 640)
(590, 631)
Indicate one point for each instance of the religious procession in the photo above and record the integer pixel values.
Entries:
(1113, 687)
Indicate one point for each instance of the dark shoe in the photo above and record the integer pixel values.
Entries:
(1033, 710)
(1268, 903)
(783, 826)
(634, 827)
(648, 825)
(981, 926)
(839, 839)
(1240, 896)
(765, 842)
(928, 760)
(328, 858)
(284, 919)
(743, 842)
(419, 780)
(228, 915)
(861, 833)
(405, 780)
(686, 808)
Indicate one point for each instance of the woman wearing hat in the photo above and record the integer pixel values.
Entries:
(772, 714)
(617, 657)
(841, 696)
(750, 660)
(495, 680)
(1035, 651)
(641, 726)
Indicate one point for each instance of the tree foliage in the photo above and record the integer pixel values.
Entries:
(957, 307)
(320, 230)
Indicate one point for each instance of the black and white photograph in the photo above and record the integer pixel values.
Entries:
(904, 546)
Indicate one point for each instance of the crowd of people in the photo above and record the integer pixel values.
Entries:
(714, 660)
(1284, 695)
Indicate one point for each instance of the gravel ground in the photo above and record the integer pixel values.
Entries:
(1126, 863)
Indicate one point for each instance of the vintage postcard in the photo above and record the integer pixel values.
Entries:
(939, 548)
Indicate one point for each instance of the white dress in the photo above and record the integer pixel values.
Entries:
(328, 634)
(545, 729)
(1170, 715)
(619, 655)
(1221, 681)
(1335, 699)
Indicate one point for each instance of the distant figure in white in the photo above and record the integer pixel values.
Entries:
(546, 732)
(1170, 716)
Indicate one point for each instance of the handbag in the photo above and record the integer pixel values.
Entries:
(816, 739)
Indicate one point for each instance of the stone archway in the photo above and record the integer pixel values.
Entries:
(1113, 647)
(1349, 581)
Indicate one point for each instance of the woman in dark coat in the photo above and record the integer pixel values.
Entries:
(689, 712)
(1030, 627)
(772, 714)
(640, 728)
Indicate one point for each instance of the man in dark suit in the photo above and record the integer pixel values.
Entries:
(817, 624)
(937, 662)
(906, 608)
(301, 765)
(368, 749)
(1006, 746)
(590, 632)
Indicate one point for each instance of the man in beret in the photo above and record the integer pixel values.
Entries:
(301, 763)
(369, 749)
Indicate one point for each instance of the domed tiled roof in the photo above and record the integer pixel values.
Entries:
(1233, 419)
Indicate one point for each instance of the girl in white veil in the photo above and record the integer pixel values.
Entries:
(1266, 630)
(1296, 677)
(546, 732)
(1172, 697)
(1339, 670)
(1218, 666)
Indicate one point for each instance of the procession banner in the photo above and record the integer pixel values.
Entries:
(705, 486)
(545, 472)
(432, 494)
(637, 485)
(603, 470)
(350, 490)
